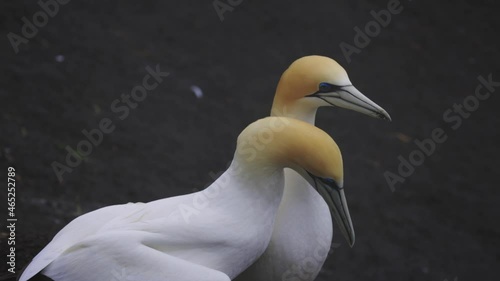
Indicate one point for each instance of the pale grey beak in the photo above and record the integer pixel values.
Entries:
(336, 201)
(350, 98)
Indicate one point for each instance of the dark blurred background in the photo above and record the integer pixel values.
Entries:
(441, 223)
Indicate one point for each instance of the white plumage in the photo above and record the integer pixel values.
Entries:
(210, 235)
(303, 231)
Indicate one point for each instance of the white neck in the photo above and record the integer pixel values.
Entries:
(243, 202)
(250, 193)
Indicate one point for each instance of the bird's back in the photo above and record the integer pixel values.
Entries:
(77, 230)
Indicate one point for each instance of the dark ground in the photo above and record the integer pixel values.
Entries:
(441, 223)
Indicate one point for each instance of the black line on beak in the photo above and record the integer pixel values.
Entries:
(341, 88)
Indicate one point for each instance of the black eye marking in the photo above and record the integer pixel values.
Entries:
(328, 181)
(325, 87)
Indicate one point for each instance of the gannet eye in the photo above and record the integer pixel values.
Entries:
(327, 180)
(330, 182)
(325, 87)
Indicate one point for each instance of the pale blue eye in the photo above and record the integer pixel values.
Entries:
(328, 180)
(331, 182)
(325, 87)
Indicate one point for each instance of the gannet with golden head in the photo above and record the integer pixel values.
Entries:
(156, 241)
(303, 229)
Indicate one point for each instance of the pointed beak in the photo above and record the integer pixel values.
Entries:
(335, 198)
(350, 98)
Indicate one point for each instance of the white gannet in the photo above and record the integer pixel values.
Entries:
(181, 239)
(303, 229)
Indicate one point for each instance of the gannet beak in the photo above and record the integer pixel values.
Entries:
(351, 98)
(335, 198)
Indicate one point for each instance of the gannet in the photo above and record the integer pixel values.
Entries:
(303, 230)
(156, 241)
